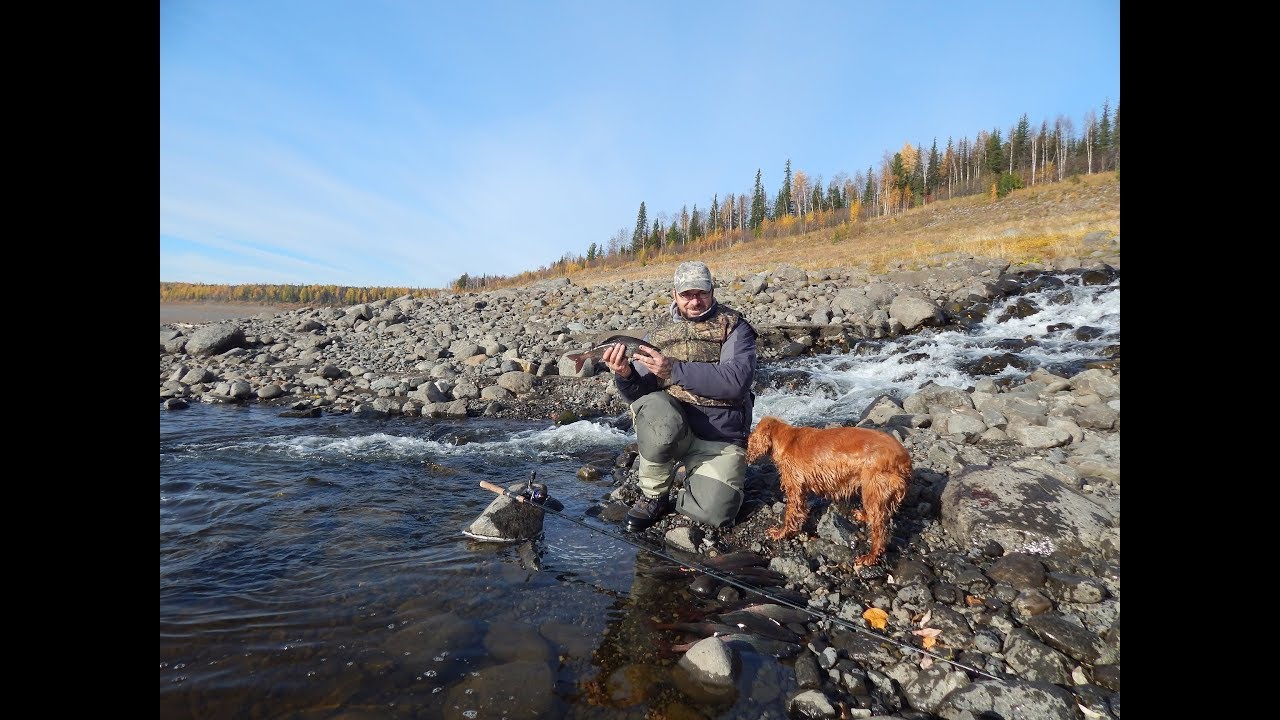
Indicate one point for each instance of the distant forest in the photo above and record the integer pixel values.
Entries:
(993, 162)
(320, 295)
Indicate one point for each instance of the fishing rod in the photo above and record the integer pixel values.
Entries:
(538, 497)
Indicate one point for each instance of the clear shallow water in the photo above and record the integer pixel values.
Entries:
(317, 567)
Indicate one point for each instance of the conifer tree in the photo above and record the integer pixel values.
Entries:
(1115, 139)
(782, 204)
(835, 191)
(1104, 134)
(933, 177)
(917, 178)
(642, 229)
(757, 204)
(1019, 144)
(995, 152)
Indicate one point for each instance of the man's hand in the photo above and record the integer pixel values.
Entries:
(615, 358)
(657, 363)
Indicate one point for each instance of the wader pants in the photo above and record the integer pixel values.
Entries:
(714, 471)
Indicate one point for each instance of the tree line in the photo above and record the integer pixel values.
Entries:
(282, 294)
(993, 162)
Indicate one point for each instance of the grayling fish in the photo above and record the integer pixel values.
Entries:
(782, 614)
(701, 629)
(751, 643)
(736, 560)
(753, 624)
(596, 353)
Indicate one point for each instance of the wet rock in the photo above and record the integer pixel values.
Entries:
(706, 672)
(1108, 676)
(1067, 637)
(926, 689)
(994, 698)
(1022, 510)
(507, 520)
(1031, 602)
(1035, 661)
(811, 705)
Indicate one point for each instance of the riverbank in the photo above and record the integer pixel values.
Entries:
(1006, 552)
(206, 312)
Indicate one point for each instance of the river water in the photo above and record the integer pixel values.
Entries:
(316, 568)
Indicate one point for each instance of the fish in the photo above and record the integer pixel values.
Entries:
(736, 560)
(759, 576)
(754, 624)
(596, 353)
(750, 643)
(701, 629)
(761, 646)
(780, 613)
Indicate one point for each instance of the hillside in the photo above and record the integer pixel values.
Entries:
(1034, 224)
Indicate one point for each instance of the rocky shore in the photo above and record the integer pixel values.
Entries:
(1005, 563)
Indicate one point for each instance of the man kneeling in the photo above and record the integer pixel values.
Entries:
(692, 404)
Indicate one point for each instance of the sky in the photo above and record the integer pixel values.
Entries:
(403, 143)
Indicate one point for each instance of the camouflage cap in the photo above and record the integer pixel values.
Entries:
(693, 275)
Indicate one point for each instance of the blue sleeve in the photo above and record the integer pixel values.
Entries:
(640, 383)
(731, 378)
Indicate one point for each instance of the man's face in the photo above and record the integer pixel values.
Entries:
(692, 303)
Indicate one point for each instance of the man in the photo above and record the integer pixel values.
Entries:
(692, 404)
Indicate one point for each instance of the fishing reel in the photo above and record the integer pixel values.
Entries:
(536, 493)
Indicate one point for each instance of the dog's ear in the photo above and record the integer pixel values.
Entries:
(760, 441)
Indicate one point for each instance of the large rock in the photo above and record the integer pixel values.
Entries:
(1008, 699)
(507, 519)
(914, 311)
(215, 339)
(1021, 509)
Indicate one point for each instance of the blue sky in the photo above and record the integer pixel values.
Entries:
(401, 143)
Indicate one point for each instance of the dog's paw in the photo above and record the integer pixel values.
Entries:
(865, 560)
(777, 533)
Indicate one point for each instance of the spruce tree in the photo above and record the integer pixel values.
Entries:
(782, 205)
(757, 204)
(1115, 139)
(995, 153)
(917, 179)
(1104, 133)
(641, 232)
(934, 175)
(1020, 143)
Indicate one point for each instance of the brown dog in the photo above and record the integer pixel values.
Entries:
(836, 463)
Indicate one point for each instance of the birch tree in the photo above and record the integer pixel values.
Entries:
(1090, 133)
(800, 190)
